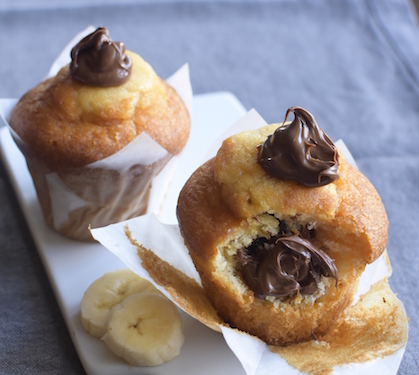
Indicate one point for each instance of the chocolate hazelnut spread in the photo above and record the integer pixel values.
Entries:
(300, 151)
(284, 266)
(98, 61)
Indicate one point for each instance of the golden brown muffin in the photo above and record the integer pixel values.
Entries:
(234, 216)
(65, 124)
(81, 116)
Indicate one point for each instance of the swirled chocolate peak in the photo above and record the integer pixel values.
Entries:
(284, 266)
(300, 151)
(98, 61)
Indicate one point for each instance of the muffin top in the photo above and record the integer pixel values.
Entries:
(69, 121)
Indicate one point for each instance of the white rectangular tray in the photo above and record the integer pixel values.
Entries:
(72, 266)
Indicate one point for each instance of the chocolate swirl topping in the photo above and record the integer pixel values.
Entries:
(282, 267)
(300, 151)
(98, 61)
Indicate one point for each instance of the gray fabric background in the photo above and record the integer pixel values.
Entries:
(353, 63)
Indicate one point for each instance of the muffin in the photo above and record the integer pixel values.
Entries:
(280, 228)
(95, 135)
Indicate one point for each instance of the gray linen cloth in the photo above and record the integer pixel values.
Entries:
(353, 63)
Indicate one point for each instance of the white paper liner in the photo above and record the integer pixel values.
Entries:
(63, 199)
(166, 242)
(257, 359)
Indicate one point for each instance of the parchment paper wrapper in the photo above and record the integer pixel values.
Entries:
(116, 188)
(156, 251)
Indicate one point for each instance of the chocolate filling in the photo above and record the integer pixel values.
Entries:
(285, 265)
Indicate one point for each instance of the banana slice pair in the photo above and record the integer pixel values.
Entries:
(133, 318)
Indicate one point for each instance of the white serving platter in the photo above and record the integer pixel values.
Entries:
(72, 266)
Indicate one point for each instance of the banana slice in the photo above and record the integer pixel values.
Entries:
(145, 329)
(106, 292)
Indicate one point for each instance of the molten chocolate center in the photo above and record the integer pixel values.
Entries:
(284, 266)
